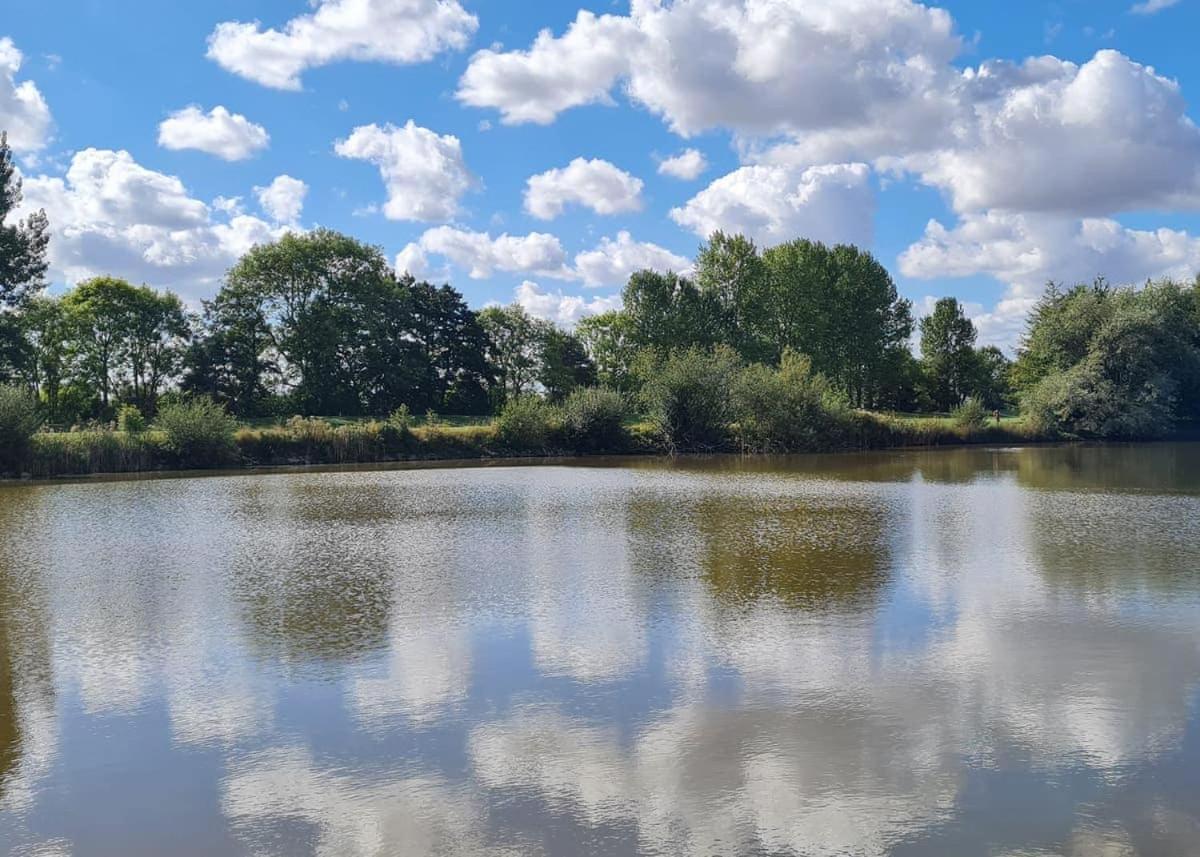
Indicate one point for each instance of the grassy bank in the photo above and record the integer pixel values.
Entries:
(318, 441)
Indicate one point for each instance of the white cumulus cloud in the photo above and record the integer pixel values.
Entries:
(283, 198)
(834, 203)
(612, 261)
(687, 165)
(110, 215)
(424, 171)
(554, 74)
(729, 63)
(1110, 135)
(391, 31)
(562, 309)
(481, 255)
(218, 132)
(24, 113)
(594, 184)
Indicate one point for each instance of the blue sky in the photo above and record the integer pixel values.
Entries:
(856, 120)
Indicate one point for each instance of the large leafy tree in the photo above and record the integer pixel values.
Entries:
(514, 348)
(1113, 363)
(324, 318)
(668, 312)
(948, 352)
(452, 344)
(733, 283)
(319, 291)
(564, 364)
(23, 243)
(100, 313)
(123, 340)
(230, 358)
(22, 265)
(840, 307)
(609, 342)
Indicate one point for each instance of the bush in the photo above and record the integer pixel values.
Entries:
(19, 420)
(199, 433)
(971, 414)
(688, 397)
(594, 420)
(790, 408)
(401, 418)
(527, 423)
(130, 420)
(1082, 402)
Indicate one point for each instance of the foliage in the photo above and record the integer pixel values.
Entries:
(198, 431)
(564, 364)
(513, 342)
(609, 342)
(688, 398)
(971, 414)
(839, 306)
(948, 353)
(527, 423)
(786, 408)
(1137, 366)
(123, 340)
(22, 243)
(130, 420)
(324, 317)
(401, 418)
(593, 420)
(19, 420)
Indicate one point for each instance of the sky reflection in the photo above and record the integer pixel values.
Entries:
(904, 654)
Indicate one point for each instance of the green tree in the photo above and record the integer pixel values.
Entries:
(564, 364)
(22, 243)
(667, 312)
(992, 384)
(48, 335)
(609, 342)
(1059, 330)
(515, 344)
(1137, 361)
(230, 358)
(156, 340)
(100, 313)
(948, 352)
(732, 281)
(317, 291)
(452, 348)
(840, 307)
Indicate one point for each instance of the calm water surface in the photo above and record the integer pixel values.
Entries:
(955, 653)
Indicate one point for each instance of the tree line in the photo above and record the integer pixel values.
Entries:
(318, 323)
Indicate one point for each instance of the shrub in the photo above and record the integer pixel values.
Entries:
(594, 420)
(401, 418)
(688, 398)
(970, 415)
(1083, 402)
(130, 420)
(19, 420)
(199, 433)
(527, 423)
(789, 408)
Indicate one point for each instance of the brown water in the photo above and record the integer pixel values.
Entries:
(963, 652)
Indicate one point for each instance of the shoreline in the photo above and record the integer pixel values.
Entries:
(544, 460)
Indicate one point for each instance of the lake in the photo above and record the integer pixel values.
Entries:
(960, 652)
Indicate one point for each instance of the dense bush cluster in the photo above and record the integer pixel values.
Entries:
(1099, 362)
